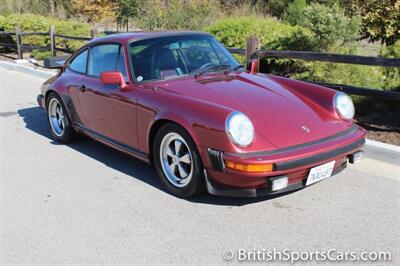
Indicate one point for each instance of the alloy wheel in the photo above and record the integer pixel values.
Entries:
(56, 117)
(176, 159)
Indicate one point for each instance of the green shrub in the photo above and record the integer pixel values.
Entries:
(5, 38)
(233, 32)
(336, 73)
(348, 74)
(177, 14)
(2, 20)
(392, 75)
(71, 28)
(330, 24)
(36, 23)
(274, 35)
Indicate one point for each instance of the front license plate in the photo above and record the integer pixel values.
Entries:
(320, 172)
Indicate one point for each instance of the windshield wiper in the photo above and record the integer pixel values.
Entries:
(234, 68)
(211, 68)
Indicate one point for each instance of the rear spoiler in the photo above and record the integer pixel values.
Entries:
(55, 62)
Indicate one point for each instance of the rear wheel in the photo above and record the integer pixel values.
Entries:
(177, 161)
(60, 125)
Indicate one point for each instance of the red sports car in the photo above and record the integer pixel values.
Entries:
(180, 101)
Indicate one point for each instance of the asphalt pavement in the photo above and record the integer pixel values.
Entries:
(85, 203)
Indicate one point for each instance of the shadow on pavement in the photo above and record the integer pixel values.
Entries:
(35, 120)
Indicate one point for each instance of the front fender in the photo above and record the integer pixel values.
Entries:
(317, 97)
(204, 121)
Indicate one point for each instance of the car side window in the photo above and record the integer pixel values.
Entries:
(103, 58)
(121, 63)
(78, 64)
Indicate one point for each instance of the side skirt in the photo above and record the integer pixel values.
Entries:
(112, 143)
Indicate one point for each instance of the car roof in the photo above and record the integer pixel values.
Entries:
(131, 36)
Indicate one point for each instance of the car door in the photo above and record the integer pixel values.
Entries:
(72, 77)
(108, 112)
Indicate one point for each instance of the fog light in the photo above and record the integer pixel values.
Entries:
(356, 157)
(279, 183)
(251, 168)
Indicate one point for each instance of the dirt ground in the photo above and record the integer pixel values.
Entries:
(382, 128)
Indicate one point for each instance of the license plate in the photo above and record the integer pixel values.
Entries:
(320, 172)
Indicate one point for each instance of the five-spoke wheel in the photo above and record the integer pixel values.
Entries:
(177, 161)
(56, 117)
(60, 126)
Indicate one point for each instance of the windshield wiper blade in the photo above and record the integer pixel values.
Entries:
(211, 68)
(234, 68)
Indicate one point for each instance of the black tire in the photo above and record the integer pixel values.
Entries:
(67, 133)
(196, 185)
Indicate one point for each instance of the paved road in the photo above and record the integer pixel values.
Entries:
(85, 203)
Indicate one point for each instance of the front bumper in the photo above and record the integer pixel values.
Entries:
(220, 190)
(294, 163)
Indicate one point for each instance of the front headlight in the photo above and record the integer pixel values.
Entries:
(344, 105)
(239, 128)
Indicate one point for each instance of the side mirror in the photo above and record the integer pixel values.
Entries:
(114, 77)
(253, 66)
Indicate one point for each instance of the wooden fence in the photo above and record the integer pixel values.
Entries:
(52, 34)
(252, 51)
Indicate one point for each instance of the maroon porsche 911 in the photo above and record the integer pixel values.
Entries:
(180, 101)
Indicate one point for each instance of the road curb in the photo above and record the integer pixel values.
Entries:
(27, 70)
(382, 145)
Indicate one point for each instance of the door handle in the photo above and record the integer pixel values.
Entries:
(82, 88)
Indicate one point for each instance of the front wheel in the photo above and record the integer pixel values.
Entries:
(177, 161)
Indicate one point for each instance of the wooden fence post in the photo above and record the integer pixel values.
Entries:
(93, 33)
(252, 45)
(18, 39)
(52, 33)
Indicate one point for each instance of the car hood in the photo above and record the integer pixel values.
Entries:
(280, 115)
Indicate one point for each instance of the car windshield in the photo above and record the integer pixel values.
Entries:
(177, 56)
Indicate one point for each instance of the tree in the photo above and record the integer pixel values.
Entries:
(273, 7)
(381, 20)
(59, 8)
(126, 10)
(95, 10)
(295, 12)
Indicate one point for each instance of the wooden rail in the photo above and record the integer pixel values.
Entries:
(252, 52)
(316, 56)
(335, 58)
(52, 36)
(7, 33)
(362, 91)
(72, 37)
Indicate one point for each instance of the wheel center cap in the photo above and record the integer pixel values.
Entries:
(175, 159)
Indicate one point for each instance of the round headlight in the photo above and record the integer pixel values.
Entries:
(239, 128)
(344, 105)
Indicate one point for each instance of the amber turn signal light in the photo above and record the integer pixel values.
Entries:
(250, 168)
